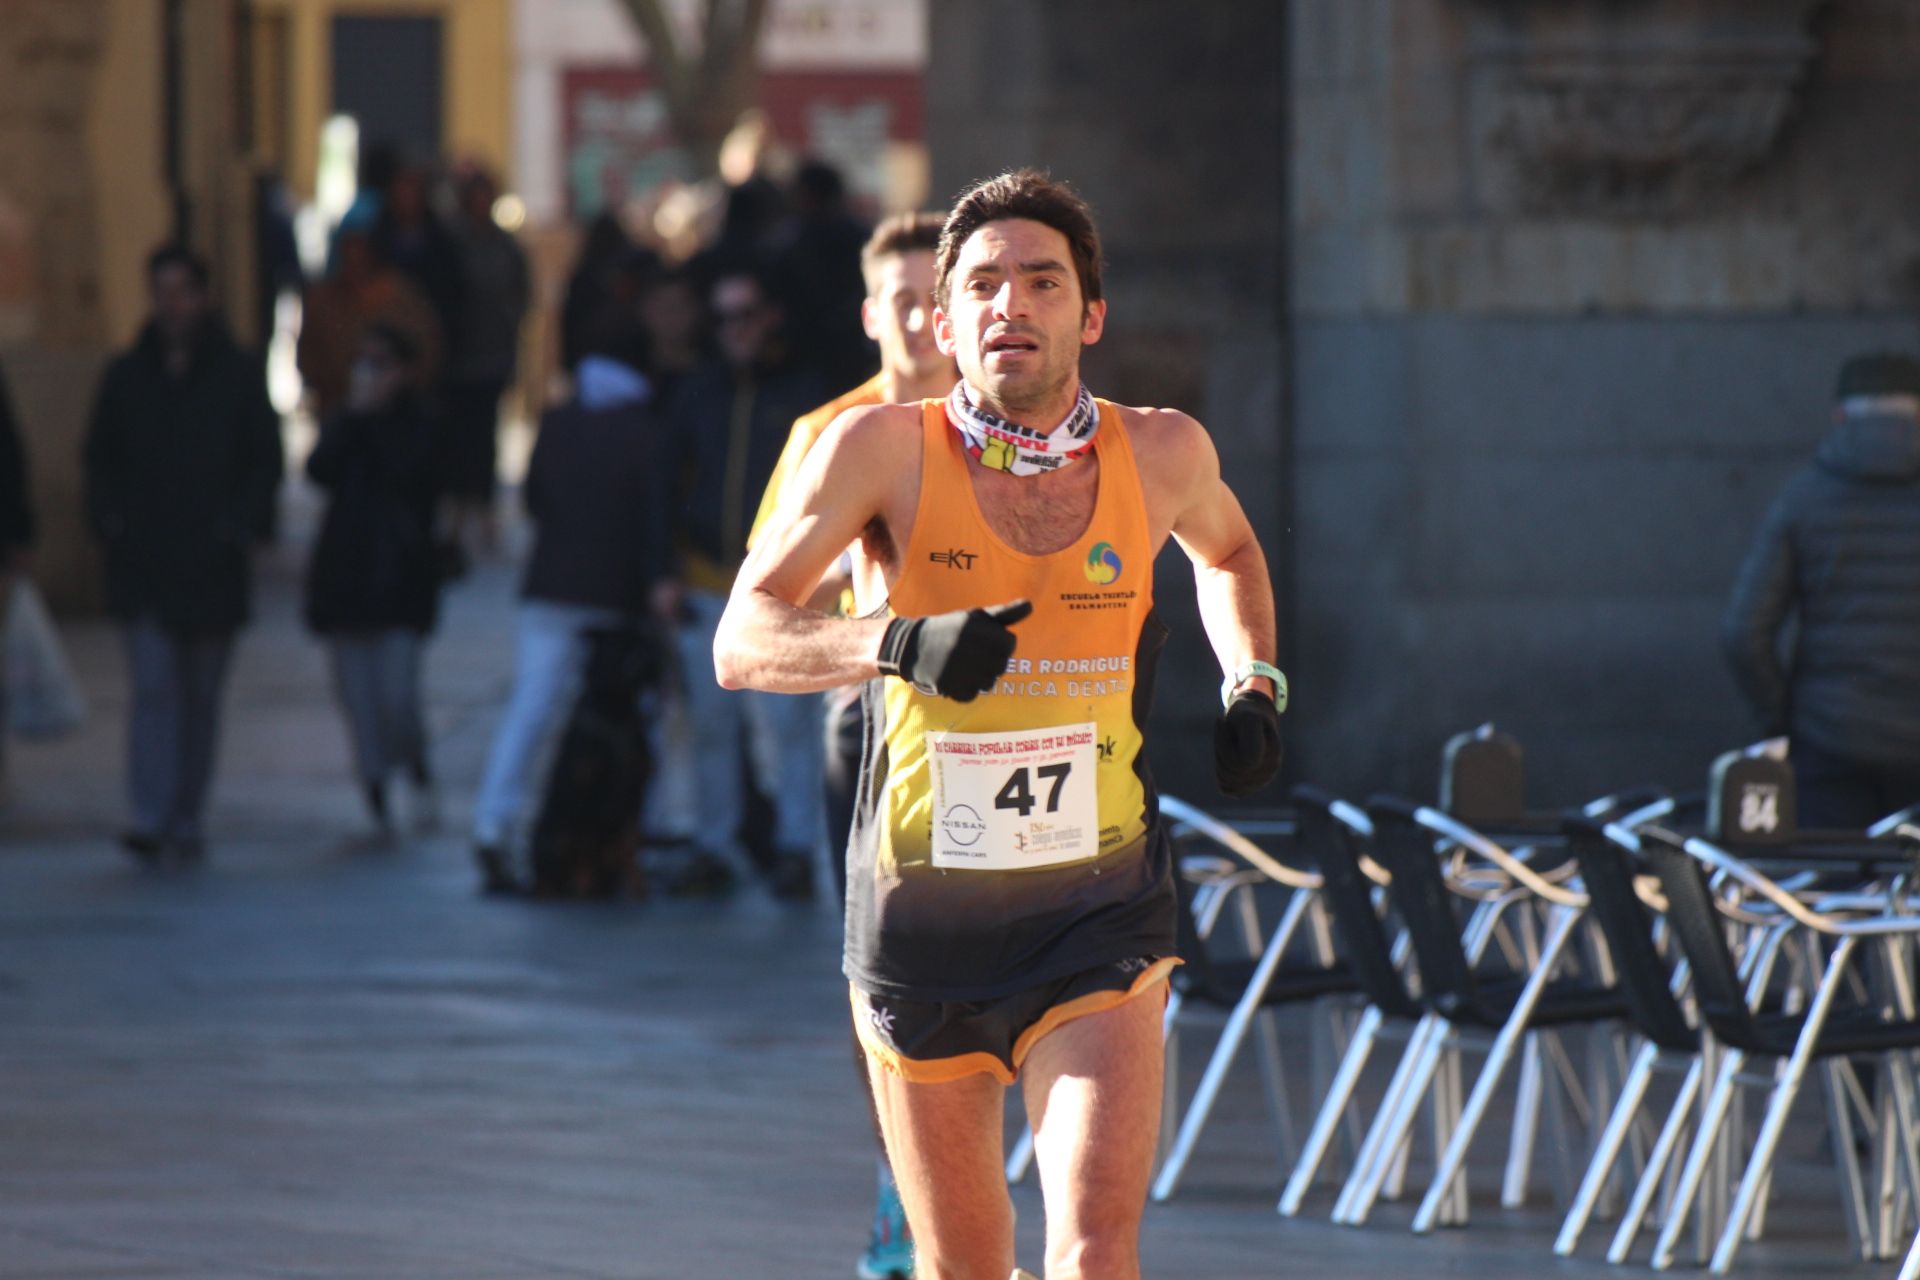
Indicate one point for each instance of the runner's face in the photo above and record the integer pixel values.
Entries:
(1015, 319)
(898, 314)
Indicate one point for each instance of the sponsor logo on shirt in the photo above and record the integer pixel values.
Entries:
(1103, 564)
(956, 558)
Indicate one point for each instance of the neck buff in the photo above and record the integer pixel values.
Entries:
(1017, 450)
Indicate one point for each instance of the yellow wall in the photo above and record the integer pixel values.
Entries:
(478, 74)
(128, 158)
(127, 153)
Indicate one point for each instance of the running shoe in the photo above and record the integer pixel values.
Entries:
(889, 1254)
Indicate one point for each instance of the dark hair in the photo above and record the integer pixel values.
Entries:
(901, 233)
(406, 350)
(379, 162)
(766, 279)
(1879, 373)
(1022, 193)
(174, 254)
(821, 183)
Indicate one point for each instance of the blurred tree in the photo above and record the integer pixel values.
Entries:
(707, 89)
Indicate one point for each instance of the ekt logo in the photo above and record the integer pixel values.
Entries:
(1103, 564)
(955, 559)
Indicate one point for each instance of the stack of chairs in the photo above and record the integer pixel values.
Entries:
(1476, 925)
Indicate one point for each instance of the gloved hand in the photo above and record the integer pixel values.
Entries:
(954, 655)
(1246, 743)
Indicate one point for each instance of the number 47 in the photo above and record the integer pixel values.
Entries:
(1016, 794)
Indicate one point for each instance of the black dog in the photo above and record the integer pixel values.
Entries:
(588, 832)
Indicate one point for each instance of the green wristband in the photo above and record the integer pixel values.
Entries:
(1247, 671)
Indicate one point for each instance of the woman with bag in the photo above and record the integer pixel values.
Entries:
(372, 586)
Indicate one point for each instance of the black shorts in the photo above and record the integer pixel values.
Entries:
(934, 1042)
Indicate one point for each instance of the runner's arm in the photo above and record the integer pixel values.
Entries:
(1229, 568)
(768, 639)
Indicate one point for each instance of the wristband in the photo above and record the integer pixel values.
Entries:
(896, 647)
(1247, 671)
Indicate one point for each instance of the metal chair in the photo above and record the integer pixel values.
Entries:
(1826, 1029)
(1335, 835)
(1463, 1008)
(1247, 987)
(1669, 1041)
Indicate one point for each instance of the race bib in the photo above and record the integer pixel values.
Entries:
(1014, 801)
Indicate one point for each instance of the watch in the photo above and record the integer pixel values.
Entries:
(1247, 671)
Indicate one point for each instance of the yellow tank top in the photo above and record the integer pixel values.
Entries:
(925, 918)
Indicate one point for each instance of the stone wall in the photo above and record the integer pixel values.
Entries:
(1168, 120)
(1563, 285)
(1573, 281)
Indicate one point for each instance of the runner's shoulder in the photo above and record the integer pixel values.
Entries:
(1165, 438)
(815, 421)
(869, 433)
(881, 421)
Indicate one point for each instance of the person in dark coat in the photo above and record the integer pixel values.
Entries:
(182, 461)
(598, 494)
(16, 501)
(606, 275)
(730, 421)
(1839, 552)
(372, 586)
(817, 257)
(411, 236)
(486, 354)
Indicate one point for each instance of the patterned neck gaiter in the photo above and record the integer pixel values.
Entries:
(1017, 450)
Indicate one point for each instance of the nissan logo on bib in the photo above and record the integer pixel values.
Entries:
(962, 825)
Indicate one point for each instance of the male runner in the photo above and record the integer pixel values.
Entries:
(897, 263)
(1013, 899)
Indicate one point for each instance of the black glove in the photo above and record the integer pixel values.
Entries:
(1246, 743)
(955, 655)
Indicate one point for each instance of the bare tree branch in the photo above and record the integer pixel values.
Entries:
(663, 50)
(705, 96)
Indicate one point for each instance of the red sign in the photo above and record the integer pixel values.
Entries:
(620, 145)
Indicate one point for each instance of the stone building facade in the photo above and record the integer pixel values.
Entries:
(118, 130)
(1508, 317)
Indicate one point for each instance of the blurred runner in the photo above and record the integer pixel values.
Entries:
(897, 263)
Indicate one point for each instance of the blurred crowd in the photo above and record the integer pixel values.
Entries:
(687, 365)
(682, 368)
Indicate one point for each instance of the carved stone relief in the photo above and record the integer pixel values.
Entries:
(1599, 107)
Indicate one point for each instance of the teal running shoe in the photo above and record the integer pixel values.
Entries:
(889, 1254)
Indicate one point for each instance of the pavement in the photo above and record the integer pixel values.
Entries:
(324, 1056)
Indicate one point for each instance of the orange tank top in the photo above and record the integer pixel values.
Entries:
(989, 828)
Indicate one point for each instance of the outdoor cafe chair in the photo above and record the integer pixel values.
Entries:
(1463, 1007)
(1337, 835)
(1625, 905)
(1247, 987)
(1669, 1040)
(1835, 949)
